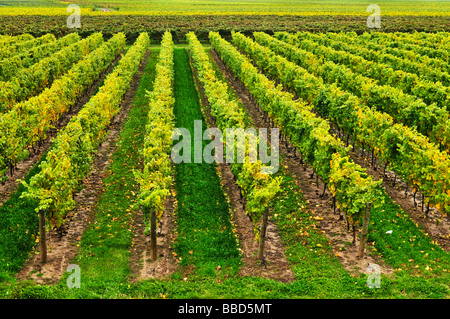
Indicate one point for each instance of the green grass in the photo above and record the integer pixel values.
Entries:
(31, 3)
(407, 247)
(205, 237)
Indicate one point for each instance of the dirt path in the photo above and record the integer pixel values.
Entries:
(61, 250)
(334, 228)
(10, 186)
(275, 264)
(142, 267)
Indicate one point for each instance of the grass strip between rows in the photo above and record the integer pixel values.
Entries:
(205, 236)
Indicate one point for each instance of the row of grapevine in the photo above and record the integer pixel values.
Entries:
(410, 154)
(396, 40)
(352, 188)
(31, 81)
(9, 67)
(258, 188)
(375, 53)
(401, 50)
(72, 154)
(18, 47)
(410, 83)
(428, 120)
(155, 180)
(438, 40)
(28, 122)
(8, 40)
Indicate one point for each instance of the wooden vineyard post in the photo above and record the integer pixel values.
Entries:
(152, 213)
(364, 231)
(42, 237)
(153, 234)
(262, 235)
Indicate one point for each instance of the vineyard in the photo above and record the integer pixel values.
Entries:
(100, 171)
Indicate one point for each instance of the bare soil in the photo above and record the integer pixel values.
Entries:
(142, 267)
(312, 188)
(274, 264)
(62, 249)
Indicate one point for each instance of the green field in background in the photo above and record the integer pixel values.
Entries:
(163, 7)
